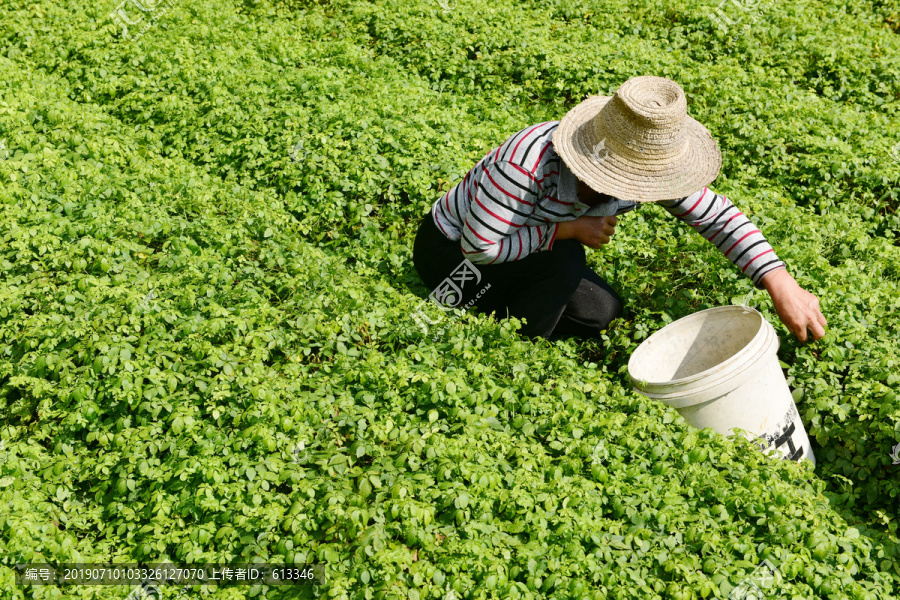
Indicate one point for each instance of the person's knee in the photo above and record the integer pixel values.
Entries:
(597, 303)
(616, 306)
(569, 263)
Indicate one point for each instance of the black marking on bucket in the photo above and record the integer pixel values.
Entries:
(786, 438)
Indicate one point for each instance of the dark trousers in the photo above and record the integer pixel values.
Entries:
(554, 291)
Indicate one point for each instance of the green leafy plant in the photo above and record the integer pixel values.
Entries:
(188, 297)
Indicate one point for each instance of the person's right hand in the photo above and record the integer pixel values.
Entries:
(593, 232)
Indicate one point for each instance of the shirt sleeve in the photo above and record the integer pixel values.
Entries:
(715, 218)
(495, 230)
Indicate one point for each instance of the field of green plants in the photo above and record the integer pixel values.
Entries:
(207, 348)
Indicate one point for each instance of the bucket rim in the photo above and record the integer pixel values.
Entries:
(683, 396)
(726, 365)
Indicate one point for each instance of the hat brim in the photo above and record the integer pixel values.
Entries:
(630, 179)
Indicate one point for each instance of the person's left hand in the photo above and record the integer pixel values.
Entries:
(797, 308)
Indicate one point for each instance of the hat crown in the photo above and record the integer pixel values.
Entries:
(639, 144)
(644, 118)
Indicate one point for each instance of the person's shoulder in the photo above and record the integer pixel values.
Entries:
(534, 131)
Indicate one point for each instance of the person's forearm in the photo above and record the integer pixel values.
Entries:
(720, 222)
(566, 230)
(774, 281)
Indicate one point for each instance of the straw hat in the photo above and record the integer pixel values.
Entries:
(639, 144)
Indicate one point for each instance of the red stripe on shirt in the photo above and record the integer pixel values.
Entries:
(499, 187)
(526, 173)
(513, 156)
(698, 223)
(553, 239)
(741, 240)
(498, 217)
(519, 253)
(695, 205)
(711, 238)
(498, 253)
(755, 257)
(478, 236)
(442, 227)
(550, 174)
(540, 156)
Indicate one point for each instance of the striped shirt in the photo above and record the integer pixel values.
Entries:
(511, 202)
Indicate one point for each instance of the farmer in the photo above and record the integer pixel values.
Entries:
(508, 238)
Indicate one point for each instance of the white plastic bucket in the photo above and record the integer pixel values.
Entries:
(719, 369)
